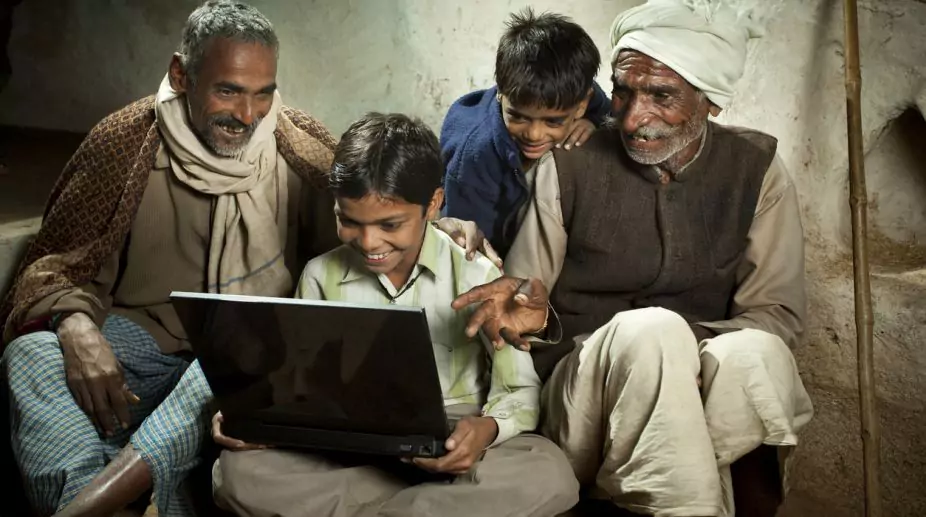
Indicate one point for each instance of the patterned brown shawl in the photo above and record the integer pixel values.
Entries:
(92, 205)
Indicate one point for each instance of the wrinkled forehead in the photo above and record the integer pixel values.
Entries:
(633, 66)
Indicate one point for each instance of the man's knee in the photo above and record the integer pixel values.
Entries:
(747, 342)
(30, 362)
(648, 319)
(36, 348)
(745, 350)
(753, 393)
(646, 335)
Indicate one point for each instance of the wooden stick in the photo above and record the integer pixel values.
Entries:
(858, 201)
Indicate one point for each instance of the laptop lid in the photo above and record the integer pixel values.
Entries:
(317, 364)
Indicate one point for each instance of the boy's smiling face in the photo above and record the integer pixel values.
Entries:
(535, 129)
(386, 231)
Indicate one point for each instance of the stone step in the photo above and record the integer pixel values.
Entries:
(32, 160)
(14, 237)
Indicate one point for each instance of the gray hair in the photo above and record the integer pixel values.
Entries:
(222, 19)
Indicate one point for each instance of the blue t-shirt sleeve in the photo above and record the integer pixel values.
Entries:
(470, 192)
(599, 106)
(475, 175)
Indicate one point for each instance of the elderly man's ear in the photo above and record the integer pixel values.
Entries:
(714, 109)
(177, 74)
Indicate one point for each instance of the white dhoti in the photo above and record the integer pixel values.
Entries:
(626, 409)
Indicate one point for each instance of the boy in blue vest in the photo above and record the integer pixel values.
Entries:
(492, 139)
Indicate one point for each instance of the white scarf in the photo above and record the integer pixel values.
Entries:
(249, 216)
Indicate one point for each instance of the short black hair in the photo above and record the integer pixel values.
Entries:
(391, 155)
(546, 60)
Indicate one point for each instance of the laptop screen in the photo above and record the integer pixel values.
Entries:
(323, 365)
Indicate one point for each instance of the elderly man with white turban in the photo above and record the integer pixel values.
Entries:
(672, 247)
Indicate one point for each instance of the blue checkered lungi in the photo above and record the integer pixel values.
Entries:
(57, 447)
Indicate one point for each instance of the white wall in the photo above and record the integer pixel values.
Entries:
(75, 61)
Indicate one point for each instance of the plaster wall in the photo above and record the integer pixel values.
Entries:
(794, 89)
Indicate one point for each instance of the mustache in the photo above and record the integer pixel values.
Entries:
(651, 132)
(233, 123)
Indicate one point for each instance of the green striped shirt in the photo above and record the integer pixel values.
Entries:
(503, 383)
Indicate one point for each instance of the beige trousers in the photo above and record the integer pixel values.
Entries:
(524, 476)
(626, 409)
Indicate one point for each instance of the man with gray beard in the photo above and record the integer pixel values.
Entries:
(672, 247)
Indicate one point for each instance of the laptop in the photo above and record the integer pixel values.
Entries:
(319, 375)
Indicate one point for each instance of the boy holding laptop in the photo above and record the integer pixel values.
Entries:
(386, 179)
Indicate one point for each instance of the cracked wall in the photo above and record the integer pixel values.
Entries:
(74, 62)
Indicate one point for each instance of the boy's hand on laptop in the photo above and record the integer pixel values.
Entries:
(230, 443)
(581, 131)
(468, 236)
(509, 307)
(470, 438)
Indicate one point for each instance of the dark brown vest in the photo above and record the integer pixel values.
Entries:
(636, 243)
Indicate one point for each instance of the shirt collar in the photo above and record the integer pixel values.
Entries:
(428, 258)
(431, 250)
(696, 162)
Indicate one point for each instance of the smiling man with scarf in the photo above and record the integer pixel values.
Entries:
(212, 185)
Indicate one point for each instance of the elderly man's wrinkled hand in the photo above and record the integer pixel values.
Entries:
(508, 308)
(94, 374)
(230, 443)
(468, 236)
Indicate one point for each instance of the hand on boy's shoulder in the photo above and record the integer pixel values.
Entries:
(467, 235)
(581, 131)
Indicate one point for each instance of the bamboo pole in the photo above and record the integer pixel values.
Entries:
(858, 201)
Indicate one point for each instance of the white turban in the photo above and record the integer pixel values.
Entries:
(704, 41)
